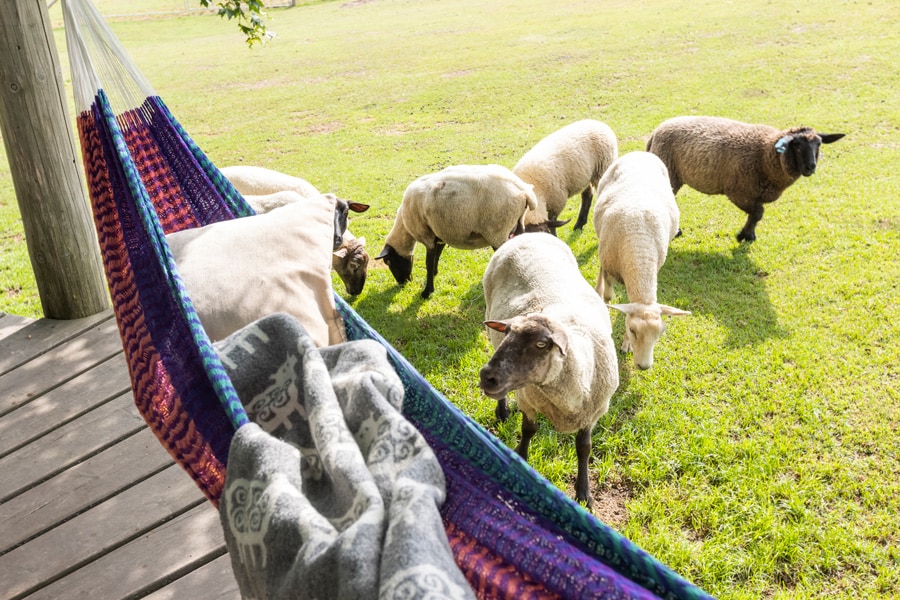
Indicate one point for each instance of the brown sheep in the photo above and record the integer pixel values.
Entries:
(750, 164)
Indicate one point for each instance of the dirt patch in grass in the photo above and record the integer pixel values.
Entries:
(610, 500)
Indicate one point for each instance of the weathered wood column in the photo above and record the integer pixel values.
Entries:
(45, 167)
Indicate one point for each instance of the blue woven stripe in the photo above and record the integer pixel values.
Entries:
(225, 391)
(428, 408)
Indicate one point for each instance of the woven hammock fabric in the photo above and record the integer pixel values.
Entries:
(513, 533)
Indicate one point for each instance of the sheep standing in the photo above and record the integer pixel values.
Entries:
(464, 206)
(751, 164)
(553, 343)
(635, 219)
(569, 161)
(266, 189)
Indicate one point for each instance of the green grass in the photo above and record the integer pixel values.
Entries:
(759, 456)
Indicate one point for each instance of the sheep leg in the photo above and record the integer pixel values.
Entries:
(754, 216)
(432, 256)
(583, 450)
(502, 410)
(586, 197)
(605, 285)
(529, 428)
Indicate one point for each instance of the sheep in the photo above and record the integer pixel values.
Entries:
(635, 219)
(268, 189)
(351, 261)
(464, 206)
(750, 164)
(566, 162)
(553, 343)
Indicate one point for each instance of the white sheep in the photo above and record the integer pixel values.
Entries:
(553, 343)
(259, 181)
(635, 219)
(751, 164)
(267, 189)
(464, 206)
(569, 161)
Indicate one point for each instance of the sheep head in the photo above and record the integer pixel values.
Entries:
(400, 266)
(643, 328)
(533, 351)
(799, 149)
(351, 262)
(342, 210)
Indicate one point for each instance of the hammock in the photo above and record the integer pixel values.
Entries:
(513, 534)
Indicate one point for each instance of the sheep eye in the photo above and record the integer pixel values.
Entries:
(541, 345)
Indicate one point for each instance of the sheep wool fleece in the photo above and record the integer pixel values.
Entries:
(330, 492)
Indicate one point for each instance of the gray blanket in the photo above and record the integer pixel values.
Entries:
(330, 492)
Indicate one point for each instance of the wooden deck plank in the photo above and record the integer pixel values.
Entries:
(42, 335)
(81, 487)
(9, 324)
(68, 445)
(91, 504)
(147, 563)
(97, 531)
(56, 366)
(213, 581)
(64, 403)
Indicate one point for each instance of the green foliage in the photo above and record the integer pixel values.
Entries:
(249, 19)
(760, 456)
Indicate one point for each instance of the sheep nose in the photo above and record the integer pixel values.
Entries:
(488, 380)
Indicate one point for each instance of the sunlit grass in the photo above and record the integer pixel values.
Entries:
(759, 457)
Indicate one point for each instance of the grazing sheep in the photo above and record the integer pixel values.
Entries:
(751, 164)
(635, 219)
(553, 343)
(350, 261)
(266, 189)
(464, 206)
(566, 162)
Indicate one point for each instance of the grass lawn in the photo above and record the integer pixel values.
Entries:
(760, 457)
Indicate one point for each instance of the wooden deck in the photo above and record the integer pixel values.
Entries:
(91, 505)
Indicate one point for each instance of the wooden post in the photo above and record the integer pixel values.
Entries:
(45, 167)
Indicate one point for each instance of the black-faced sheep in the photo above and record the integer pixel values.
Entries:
(569, 161)
(553, 343)
(750, 164)
(464, 206)
(260, 188)
(266, 189)
(635, 219)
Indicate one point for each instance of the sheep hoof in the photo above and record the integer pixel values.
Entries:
(426, 293)
(746, 237)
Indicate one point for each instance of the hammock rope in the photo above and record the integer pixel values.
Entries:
(513, 533)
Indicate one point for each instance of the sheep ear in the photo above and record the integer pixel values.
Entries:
(358, 206)
(672, 311)
(625, 308)
(827, 138)
(782, 144)
(384, 252)
(341, 252)
(501, 326)
(561, 340)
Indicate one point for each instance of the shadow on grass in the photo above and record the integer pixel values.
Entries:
(430, 341)
(729, 288)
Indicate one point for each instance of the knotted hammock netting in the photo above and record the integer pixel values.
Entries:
(513, 534)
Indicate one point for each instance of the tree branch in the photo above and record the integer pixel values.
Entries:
(249, 17)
